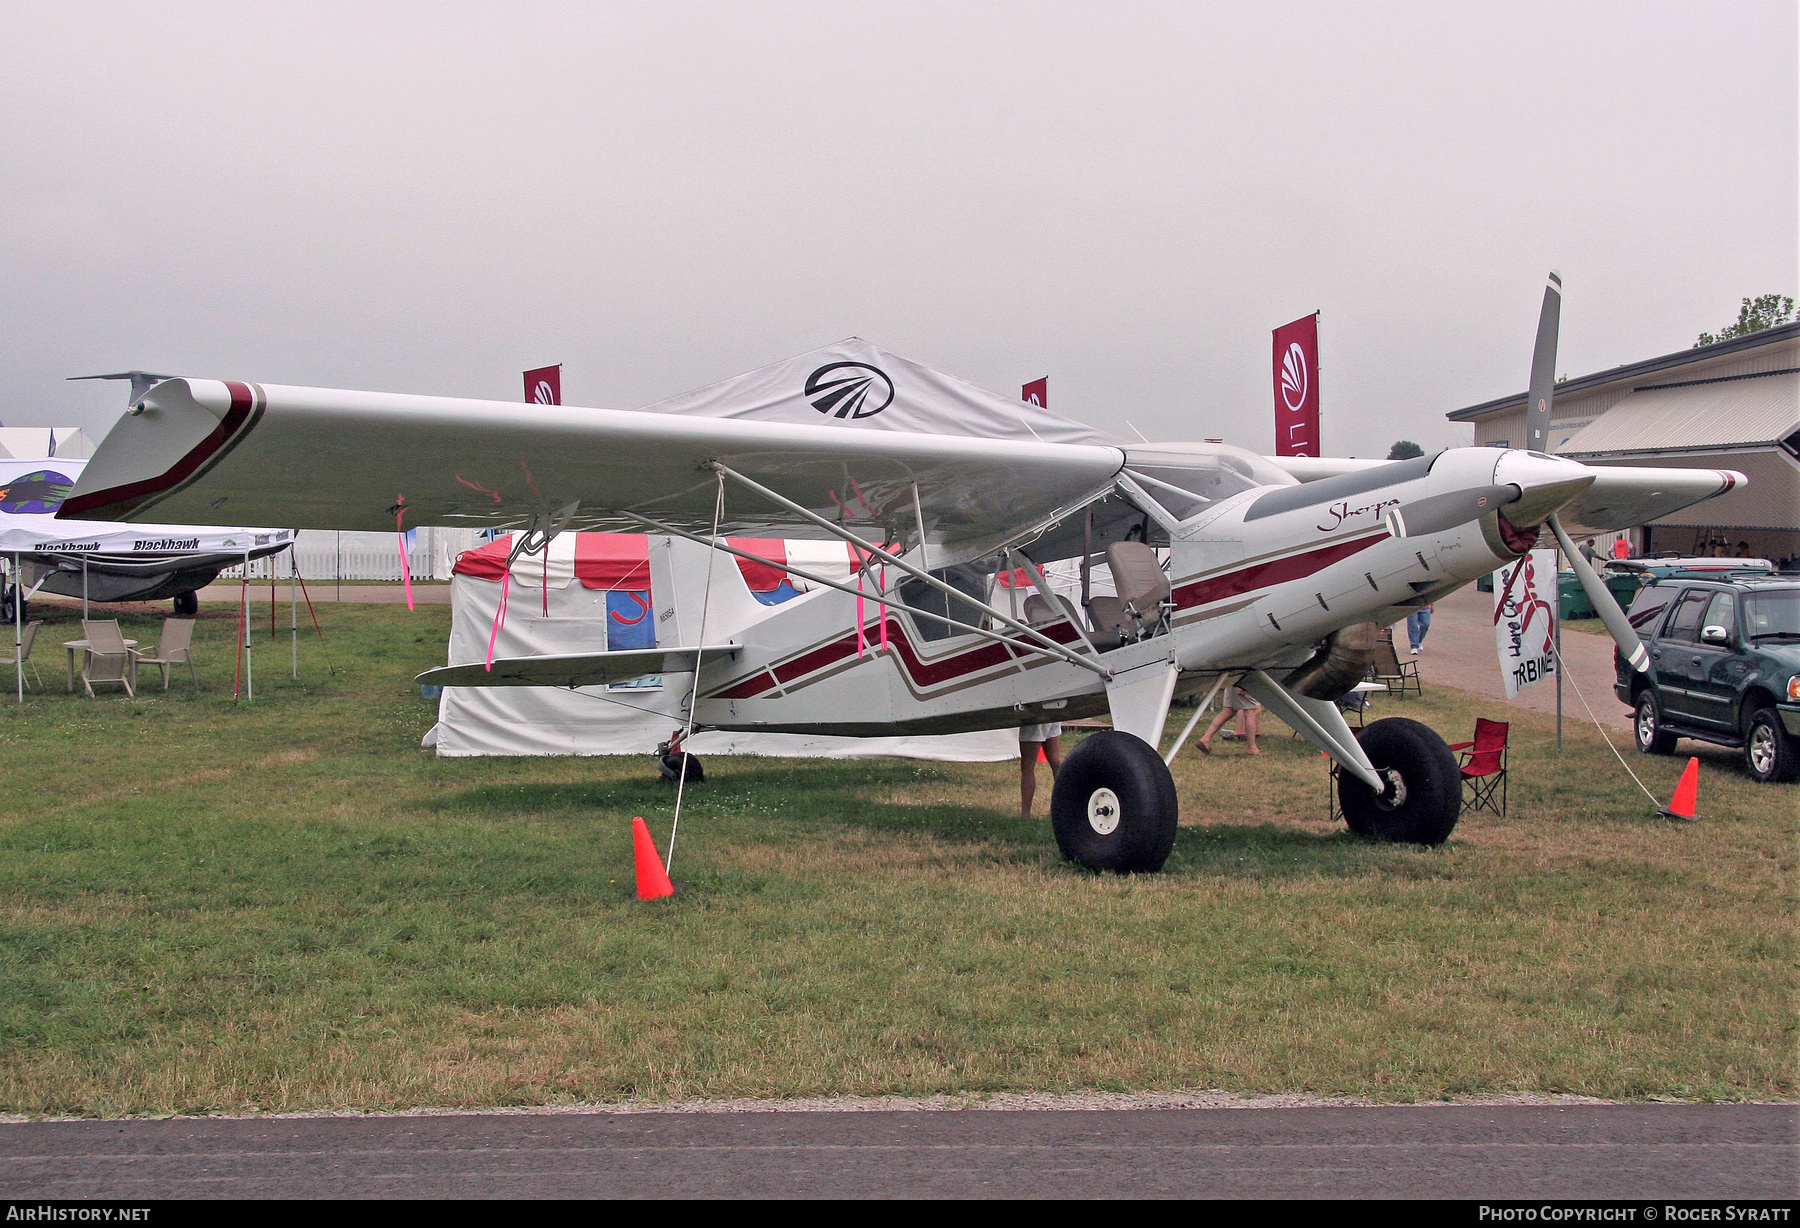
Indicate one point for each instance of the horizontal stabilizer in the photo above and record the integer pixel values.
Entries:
(580, 669)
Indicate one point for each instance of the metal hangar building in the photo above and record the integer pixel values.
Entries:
(1731, 405)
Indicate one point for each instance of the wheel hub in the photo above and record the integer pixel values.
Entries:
(1103, 811)
(1394, 795)
(1762, 749)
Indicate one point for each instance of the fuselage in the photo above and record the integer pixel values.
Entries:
(1257, 580)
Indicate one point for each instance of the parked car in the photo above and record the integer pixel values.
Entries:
(1724, 667)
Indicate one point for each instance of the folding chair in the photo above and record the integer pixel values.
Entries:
(1398, 676)
(177, 635)
(24, 658)
(109, 661)
(1483, 766)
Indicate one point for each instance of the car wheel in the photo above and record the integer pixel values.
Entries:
(1770, 754)
(1652, 738)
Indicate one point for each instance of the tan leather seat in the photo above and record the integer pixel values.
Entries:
(1113, 623)
(1141, 584)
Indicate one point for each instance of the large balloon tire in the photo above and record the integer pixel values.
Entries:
(1429, 785)
(1114, 805)
(187, 605)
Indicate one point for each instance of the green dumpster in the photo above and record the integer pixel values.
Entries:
(1571, 599)
(1624, 587)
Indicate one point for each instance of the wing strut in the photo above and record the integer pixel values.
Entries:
(879, 599)
(1044, 643)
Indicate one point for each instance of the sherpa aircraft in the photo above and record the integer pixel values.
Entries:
(1278, 570)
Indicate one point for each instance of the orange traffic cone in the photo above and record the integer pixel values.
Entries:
(652, 880)
(1687, 792)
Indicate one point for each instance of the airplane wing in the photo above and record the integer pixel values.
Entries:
(1623, 497)
(209, 451)
(580, 669)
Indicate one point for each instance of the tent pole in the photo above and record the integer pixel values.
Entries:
(84, 587)
(294, 604)
(244, 619)
(18, 579)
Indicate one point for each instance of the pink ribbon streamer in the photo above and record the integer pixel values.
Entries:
(862, 639)
(499, 616)
(405, 567)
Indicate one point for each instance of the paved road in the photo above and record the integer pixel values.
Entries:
(1514, 1151)
(1459, 652)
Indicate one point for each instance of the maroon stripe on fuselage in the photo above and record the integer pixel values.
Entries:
(1273, 572)
(930, 673)
(122, 500)
(750, 687)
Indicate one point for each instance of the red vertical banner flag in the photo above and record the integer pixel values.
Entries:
(1037, 392)
(544, 385)
(1297, 387)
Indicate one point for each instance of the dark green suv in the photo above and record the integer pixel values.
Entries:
(1724, 668)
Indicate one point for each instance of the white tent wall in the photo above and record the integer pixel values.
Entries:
(630, 721)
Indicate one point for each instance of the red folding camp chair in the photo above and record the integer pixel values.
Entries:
(1483, 766)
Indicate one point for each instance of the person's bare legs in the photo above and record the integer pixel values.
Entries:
(1251, 725)
(1218, 723)
(1028, 756)
(1053, 755)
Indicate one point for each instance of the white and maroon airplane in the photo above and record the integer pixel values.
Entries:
(1277, 571)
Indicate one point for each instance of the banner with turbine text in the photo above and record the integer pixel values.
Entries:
(1525, 620)
(1297, 387)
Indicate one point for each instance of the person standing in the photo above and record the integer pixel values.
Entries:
(1033, 738)
(1587, 550)
(1241, 704)
(1417, 624)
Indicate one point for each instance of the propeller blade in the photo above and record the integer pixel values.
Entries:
(1543, 368)
(1617, 625)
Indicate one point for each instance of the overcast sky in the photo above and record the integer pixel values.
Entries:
(1126, 198)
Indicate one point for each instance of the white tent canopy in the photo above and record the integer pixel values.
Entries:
(857, 385)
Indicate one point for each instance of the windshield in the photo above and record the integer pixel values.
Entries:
(1773, 615)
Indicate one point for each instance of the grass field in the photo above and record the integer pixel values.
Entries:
(218, 907)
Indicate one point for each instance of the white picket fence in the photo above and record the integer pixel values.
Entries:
(326, 555)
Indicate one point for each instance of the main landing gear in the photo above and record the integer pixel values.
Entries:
(1423, 797)
(1114, 805)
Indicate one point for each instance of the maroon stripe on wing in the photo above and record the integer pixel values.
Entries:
(120, 501)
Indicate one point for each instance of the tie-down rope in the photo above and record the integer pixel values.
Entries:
(1597, 725)
(694, 694)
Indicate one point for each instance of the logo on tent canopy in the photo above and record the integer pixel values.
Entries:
(35, 494)
(849, 390)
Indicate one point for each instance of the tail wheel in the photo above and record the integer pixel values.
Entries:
(1114, 805)
(1423, 798)
(1647, 725)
